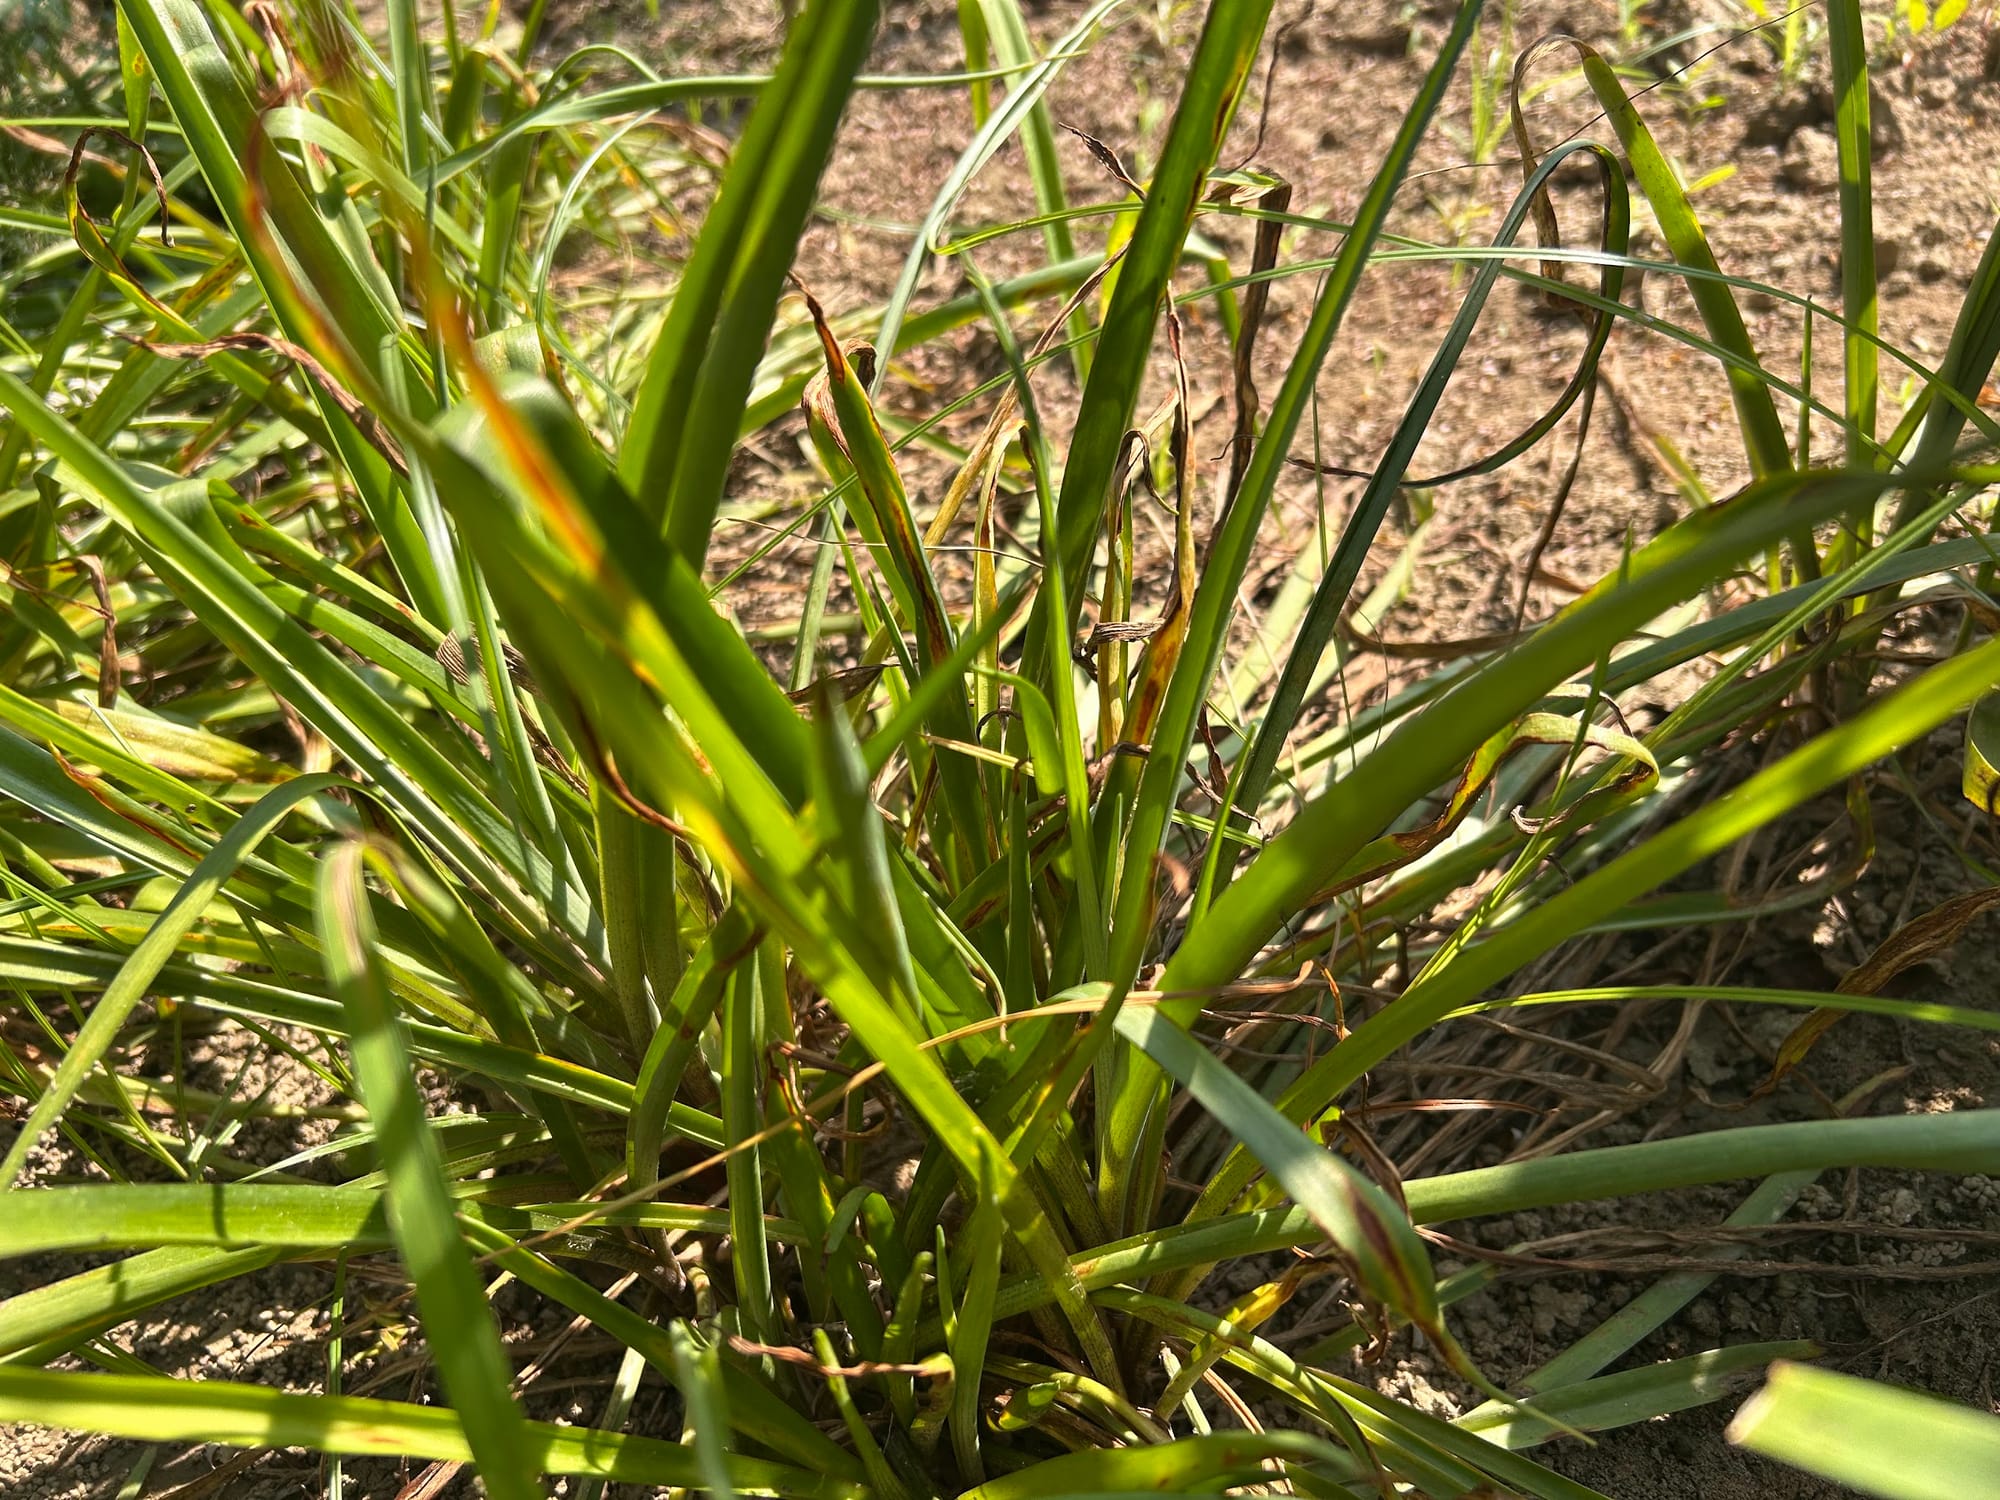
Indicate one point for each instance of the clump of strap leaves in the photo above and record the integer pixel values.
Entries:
(884, 1050)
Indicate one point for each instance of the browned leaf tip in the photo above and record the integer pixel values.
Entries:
(836, 365)
(839, 687)
(1120, 630)
(1107, 159)
(805, 1359)
(1913, 943)
(350, 407)
(1263, 259)
(76, 160)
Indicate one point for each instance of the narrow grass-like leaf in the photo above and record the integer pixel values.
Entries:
(1871, 1437)
(742, 1081)
(1371, 1235)
(1023, 110)
(683, 423)
(1847, 47)
(218, 119)
(970, 1340)
(1189, 1464)
(1230, 36)
(1136, 1097)
(701, 1387)
(1886, 726)
(247, 1416)
(135, 978)
(377, 739)
(1640, 1395)
(458, 1324)
(1329, 829)
(1358, 536)
(125, 1215)
(51, 1319)
(1756, 413)
(1962, 1142)
(755, 1410)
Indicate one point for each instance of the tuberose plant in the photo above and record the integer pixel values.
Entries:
(366, 689)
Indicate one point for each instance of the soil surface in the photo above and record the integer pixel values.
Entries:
(1897, 1279)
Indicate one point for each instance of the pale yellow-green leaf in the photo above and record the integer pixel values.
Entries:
(1982, 753)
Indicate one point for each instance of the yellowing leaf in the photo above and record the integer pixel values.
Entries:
(1982, 754)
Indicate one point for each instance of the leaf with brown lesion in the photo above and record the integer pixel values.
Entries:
(1393, 850)
(1915, 942)
(364, 420)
